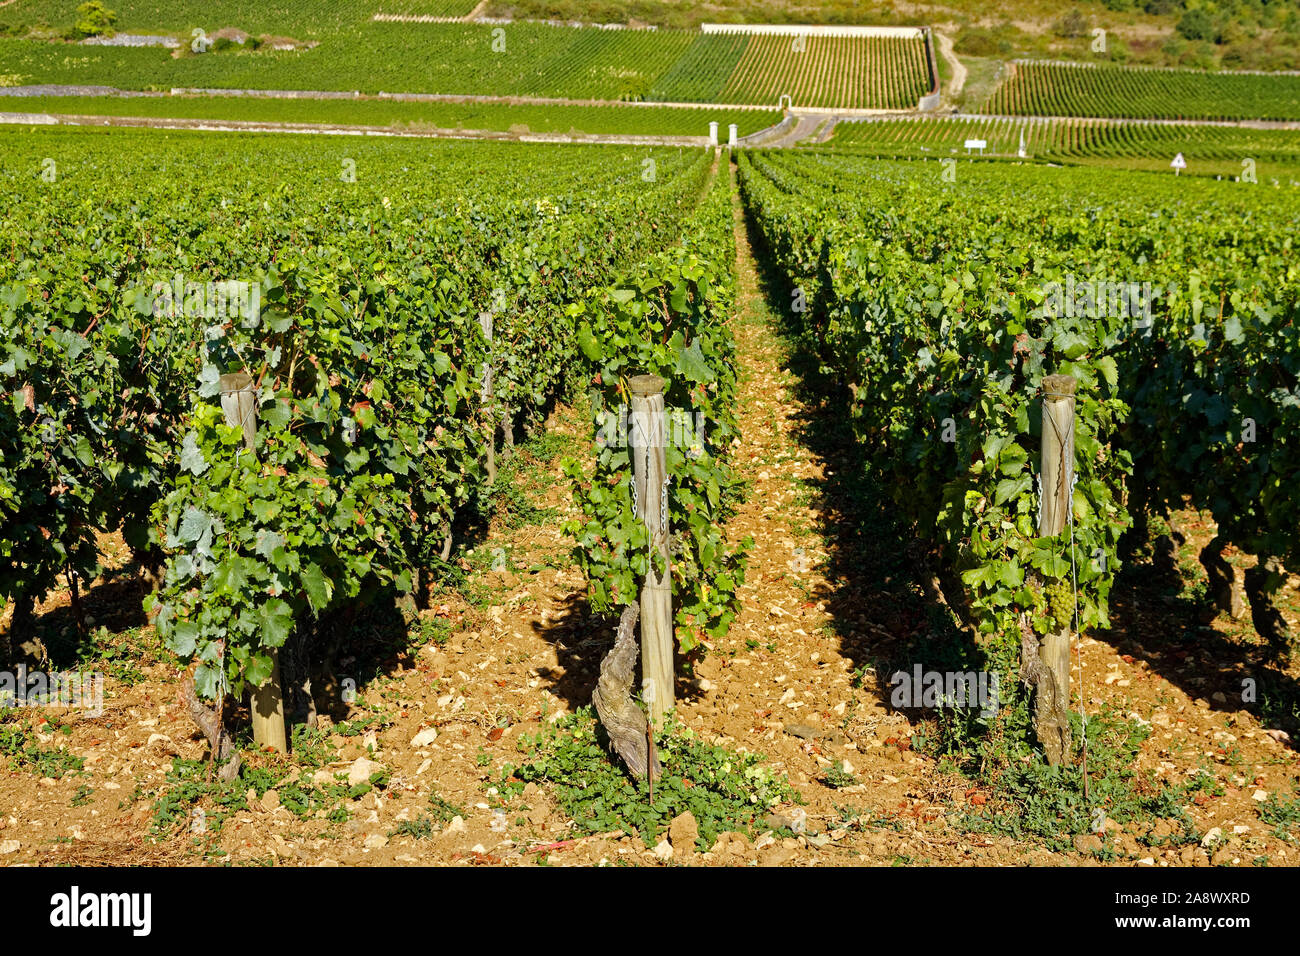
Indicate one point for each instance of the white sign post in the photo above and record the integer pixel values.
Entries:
(976, 144)
(1179, 163)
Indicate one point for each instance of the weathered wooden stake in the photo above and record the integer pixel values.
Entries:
(485, 321)
(1052, 706)
(1058, 453)
(649, 474)
(239, 405)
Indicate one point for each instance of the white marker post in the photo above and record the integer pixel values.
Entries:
(1178, 163)
(731, 134)
(975, 144)
(713, 133)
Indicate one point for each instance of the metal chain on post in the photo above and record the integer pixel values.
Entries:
(663, 502)
(663, 514)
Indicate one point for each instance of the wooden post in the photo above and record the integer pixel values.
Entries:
(1052, 706)
(485, 396)
(1058, 453)
(649, 476)
(239, 404)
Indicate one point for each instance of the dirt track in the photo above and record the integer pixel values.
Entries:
(958, 81)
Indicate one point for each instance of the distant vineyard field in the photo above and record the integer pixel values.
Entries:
(426, 8)
(701, 73)
(614, 120)
(1056, 89)
(452, 58)
(1067, 138)
(618, 64)
(1224, 147)
(301, 19)
(831, 72)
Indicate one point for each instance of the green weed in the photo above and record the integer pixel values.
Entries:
(725, 790)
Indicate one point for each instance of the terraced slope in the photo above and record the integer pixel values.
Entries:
(1059, 89)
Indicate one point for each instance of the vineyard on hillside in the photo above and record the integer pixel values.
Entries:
(831, 72)
(307, 19)
(702, 72)
(452, 58)
(426, 8)
(517, 59)
(1061, 89)
(1070, 138)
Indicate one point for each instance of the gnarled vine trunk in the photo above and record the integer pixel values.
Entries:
(624, 721)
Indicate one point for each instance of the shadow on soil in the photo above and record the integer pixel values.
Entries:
(1156, 619)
